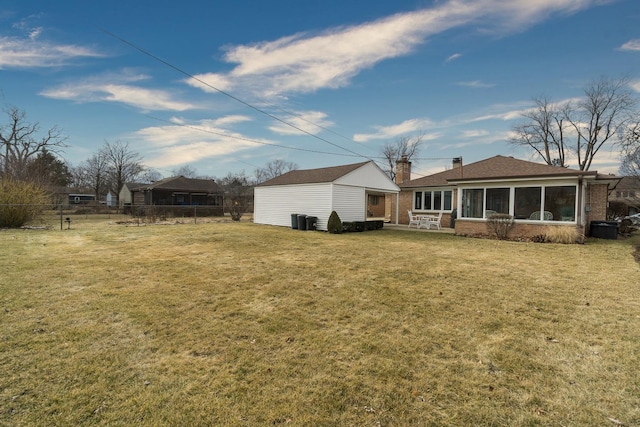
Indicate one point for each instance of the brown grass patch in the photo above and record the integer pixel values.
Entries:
(239, 324)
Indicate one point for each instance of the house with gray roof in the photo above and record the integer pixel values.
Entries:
(536, 195)
(348, 189)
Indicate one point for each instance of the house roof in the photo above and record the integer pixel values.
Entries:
(134, 185)
(498, 167)
(313, 176)
(629, 183)
(181, 183)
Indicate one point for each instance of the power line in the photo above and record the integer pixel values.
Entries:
(191, 76)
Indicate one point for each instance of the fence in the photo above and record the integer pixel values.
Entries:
(66, 215)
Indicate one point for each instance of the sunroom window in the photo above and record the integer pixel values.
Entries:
(436, 200)
(560, 202)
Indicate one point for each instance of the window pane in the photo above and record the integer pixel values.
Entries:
(561, 202)
(498, 200)
(528, 201)
(472, 203)
(447, 201)
(418, 200)
(437, 200)
(427, 200)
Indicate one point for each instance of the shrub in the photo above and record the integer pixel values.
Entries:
(500, 225)
(334, 225)
(20, 202)
(565, 235)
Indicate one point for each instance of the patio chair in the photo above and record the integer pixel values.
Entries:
(547, 216)
(414, 219)
(430, 220)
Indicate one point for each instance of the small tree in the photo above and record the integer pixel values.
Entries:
(500, 225)
(273, 169)
(404, 147)
(238, 194)
(335, 224)
(20, 202)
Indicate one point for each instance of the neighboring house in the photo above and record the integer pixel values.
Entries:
(626, 196)
(80, 199)
(534, 194)
(179, 191)
(125, 197)
(345, 189)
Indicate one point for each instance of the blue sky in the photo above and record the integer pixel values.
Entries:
(353, 75)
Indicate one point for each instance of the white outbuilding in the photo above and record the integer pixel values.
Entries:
(346, 189)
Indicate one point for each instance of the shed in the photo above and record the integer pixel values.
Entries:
(345, 189)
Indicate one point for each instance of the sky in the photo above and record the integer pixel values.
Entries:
(227, 86)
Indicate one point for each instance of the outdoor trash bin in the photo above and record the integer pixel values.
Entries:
(311, 223)
(294, 221)
(604, 229)
(302, 222)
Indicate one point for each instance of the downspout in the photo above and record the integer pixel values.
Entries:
(397, 206)
(581, 227)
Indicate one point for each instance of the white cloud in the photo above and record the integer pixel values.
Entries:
(393, 131)
(310, 121)
(632, 45)
(32, 53)
(173, 145)
(476, 84)
(453, 57)
(635, 85)
(118, 88)
(303, 63)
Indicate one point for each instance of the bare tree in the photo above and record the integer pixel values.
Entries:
(187, 171)
(94, 173)
(543, 131)
(124, 164)
(404, 146)
(604, 111)
(273, 169)
(581, 128)
(630, 142)
(238, 194)
(21, 141)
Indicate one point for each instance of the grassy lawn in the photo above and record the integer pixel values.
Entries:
(240, 324)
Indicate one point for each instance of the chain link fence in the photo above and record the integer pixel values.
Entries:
(64, 216)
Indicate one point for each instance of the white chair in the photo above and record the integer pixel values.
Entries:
(414, 219)
(434, 220)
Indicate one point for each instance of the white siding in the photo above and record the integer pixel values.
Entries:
(274, 205)
(349, 203)
(371, 177)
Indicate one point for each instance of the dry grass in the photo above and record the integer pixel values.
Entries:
(239, 324)
(566, 235)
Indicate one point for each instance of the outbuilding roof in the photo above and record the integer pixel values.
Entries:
(181, 183)
(498, 167)
(313, 176)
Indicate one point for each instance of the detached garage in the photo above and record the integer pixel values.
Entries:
(349, 190)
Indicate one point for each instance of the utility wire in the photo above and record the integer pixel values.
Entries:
(191, 76)
(242, 138)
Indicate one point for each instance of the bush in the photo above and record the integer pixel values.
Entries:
(500, 225)
(334, 225)
(565, 235)
(20, 202)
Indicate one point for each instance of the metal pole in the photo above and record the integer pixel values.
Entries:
(60, 217)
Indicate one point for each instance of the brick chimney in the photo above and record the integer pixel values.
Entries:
(457, 162)
(403, 170)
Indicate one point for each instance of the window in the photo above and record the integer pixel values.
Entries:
(448, 197)
(527, 201)
(418, 200)
(374, 200)
(497, 200)
(472, 202)
(437, 200)
(561, 202)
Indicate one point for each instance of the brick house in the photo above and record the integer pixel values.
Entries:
(626, 196)
(536, 195)
(178, 191)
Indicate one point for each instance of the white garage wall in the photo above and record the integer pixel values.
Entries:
(274, 205)
(349, 203)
